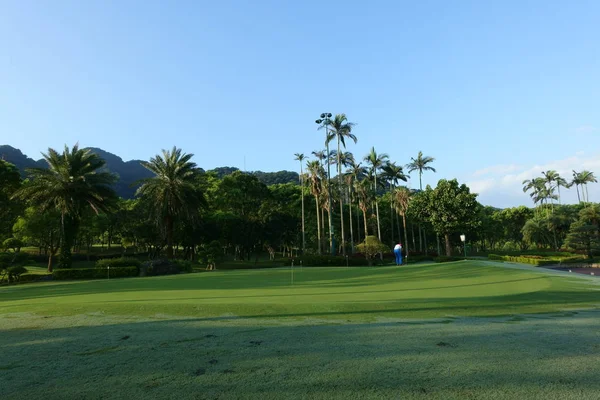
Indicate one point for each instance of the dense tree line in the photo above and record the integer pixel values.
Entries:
(183, 211)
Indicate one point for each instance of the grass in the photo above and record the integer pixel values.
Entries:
(460, 330)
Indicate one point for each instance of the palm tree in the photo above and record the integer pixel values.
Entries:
(72, 183)
(300, 157)
(321, 155)
(393, 173)
(364, 191)
(354, 174)
(377, 161)
(537, 186)
(577, 181)
(340, 128)
(314, 169)
(587, 177)
(172, 192)
(402, 198)
(420, 164)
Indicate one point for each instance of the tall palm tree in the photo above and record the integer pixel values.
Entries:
(364, 190)
(393, 173)
(73, 182)
(377, 161)
(355, 173)
(587, 177)
(314, 169)
(402, 198)
(340, 129)
(537, 187)
(321, 155)
(300, 157)
(173, 191)
(577, 181)
(420, 164)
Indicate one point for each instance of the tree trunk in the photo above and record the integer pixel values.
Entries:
(412, 230)
(318, 225)
(392, 218)
(399, 231)
(169, 226)
(377, 209)
(448, 247)
(365, 221)
(339, 167)
(420, 238)
(350, 220)
(405, 235)
(425, 241)
(578, 198)
(69, 228)
(302, 197)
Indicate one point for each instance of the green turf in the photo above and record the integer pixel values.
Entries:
(456, 330)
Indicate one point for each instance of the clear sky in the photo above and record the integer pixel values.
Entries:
(496, 91)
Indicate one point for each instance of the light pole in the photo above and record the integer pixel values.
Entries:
(324, 121)
(463, 239)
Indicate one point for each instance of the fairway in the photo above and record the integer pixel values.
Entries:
(434, 331)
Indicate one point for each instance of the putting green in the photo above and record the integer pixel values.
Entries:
(410, 332)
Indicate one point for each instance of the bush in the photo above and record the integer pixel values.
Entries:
(30, 277)
(523, 260)
(325, 261)
(118, 262)
(94, 273)
(14, 273)
(185, 266)
(160, 267)
(12, 259)
(418, 258)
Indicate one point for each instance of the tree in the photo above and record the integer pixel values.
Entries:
(365, 197)
(300, 157)
(172, 193)
(377, 161)
(315, 171)
(587, 177)
(393, 173)
(73, 182)
(535, 231)
(10, 181)
(354, 173)
(513, 220)
(341, 129)
(401, 202)
(577, 180)
(451, 208)
(420, 164)
(371, 247)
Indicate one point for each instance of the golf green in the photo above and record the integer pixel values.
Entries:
(456, 330)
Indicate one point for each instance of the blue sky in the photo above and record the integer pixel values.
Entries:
(496, 91)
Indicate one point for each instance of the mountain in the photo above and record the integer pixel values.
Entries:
(132, 171)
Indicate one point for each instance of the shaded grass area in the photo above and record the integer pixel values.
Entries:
(414, 332)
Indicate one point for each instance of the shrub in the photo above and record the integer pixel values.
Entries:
(11, 259)
(12, 244)
(30, 277)
(325, 261)
(14, 273)
(523, 260)
(372, 247)
(94, 273)
(184, 266)
(160, 267)
(118, 262)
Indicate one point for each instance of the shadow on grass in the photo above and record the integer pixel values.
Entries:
(452, 358)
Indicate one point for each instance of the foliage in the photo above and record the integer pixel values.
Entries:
(73, 182)
(118, 262)
(172, 193)
(160, 267)
(184, 266)
(325, 261)
(523, 260)
(10, 181)
(12, 244)
(371, 247)
(94, 273)
(450, 208)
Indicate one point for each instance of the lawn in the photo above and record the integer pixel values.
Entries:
(470, 329)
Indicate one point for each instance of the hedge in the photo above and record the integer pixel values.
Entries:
(118, 262)
(327, 261)
(523, 260)
(94, 273)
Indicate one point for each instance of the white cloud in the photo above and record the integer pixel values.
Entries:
(502, 185)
